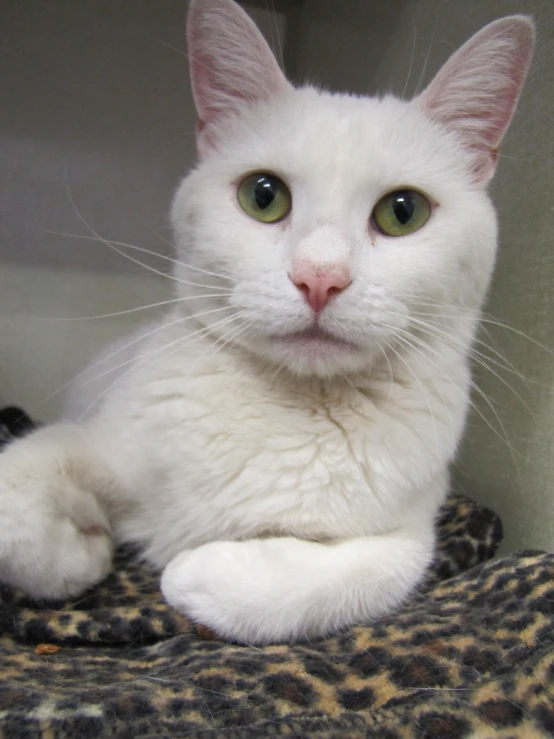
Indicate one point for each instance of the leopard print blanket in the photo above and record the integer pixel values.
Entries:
(471, 655)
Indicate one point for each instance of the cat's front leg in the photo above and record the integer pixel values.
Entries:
(281, 589)
(55, 538)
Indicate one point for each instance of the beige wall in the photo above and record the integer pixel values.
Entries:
(366, 46)
(43, 344)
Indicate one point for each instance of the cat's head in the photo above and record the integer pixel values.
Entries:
(336, 221)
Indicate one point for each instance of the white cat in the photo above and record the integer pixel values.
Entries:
(280, 443)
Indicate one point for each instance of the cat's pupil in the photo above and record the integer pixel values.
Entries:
(403, 207)
(265, 192)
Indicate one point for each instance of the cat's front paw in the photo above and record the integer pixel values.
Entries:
(240, 590)
(55, 538)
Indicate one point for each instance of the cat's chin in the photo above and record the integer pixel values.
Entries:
(315, 342)
(314, 352)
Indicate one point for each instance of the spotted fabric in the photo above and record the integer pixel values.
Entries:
(471, 655)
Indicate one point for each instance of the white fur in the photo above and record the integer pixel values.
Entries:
(287, 486)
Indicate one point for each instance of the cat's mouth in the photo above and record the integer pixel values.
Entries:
(315, 338)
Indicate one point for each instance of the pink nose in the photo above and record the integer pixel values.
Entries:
(319, 289)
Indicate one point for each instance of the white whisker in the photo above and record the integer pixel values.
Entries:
(137, 357)
(109, 356)
(422, 75)
(223, 274)
(411, 59)
(505, 326)
(385, 355)
(407, 340)
(113, 244)
(216, 347)
(279, 45)
(279, 368)
(503, 438)
(133, 310)
(138, 363)
(477, 356)
(505, 364)
(419, 382)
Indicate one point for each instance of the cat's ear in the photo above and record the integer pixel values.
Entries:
(476, 92)
(231, 64)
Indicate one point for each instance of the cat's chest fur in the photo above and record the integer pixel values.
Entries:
(233, 455)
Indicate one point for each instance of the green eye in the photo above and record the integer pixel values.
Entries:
(401, 213)
(264, 197)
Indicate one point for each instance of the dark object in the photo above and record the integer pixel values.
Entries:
(13, 423)
(471, 655)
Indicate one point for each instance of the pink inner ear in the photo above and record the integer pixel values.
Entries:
(475, 94)
(230, 62)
